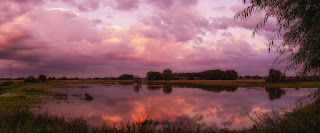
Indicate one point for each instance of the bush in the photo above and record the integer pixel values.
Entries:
(167, 74)
(126, 77)
(275, 76)
(137, 79)
(42, 77)
(88, 97)
(30, 79)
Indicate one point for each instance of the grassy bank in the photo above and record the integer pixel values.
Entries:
(301, 120)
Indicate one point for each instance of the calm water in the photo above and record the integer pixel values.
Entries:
(222, 107)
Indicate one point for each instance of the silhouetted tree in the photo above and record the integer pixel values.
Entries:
(137, 79)
(214, 74)
(152, 75)
(274, 75)
(30, 79)
(299, 27)
(126, 77)
(167, 74)
(42, 77)
(64, 78)
(230, 75)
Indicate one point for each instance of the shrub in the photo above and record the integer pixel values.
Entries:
(137, 79)
(88, 97)
(30, 79)
(42, 77)
(275, 76)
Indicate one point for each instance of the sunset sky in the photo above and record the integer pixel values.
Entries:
(110, 37)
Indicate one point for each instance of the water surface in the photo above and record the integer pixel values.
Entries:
(218, 107)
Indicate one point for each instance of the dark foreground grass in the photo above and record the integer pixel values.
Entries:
(24, 121)
(302, 120)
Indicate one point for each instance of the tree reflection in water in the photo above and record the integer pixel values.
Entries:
(167, 89)
(137, 88)
(275, 93)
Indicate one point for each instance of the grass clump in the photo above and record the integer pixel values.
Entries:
(306, 119)
(22, 120)
(77, 95)
(88, 97)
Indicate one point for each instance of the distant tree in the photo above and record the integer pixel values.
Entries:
(76, 78)
(64, 78)
(167, 74)
(152, 75)
(126, 77)
(42, 77)
(30, 79)
(214, 74)
(20, 78)
(256, 77)
(53, 78)
(137, 79)
(274, 75)
(231, 75)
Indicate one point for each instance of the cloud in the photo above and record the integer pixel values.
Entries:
(183, 23)
(219, 8)
(126, 5)
(84, 5)
(60, 41)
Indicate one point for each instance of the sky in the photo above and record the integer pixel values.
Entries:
(104, 38)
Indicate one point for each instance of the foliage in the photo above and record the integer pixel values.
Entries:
(126, 77)
(64, 78)
(167, 74)
(152, 75)
(306, 119)
(275, 76)
(52, 78)
(299, 27)
(42, 77)
(137, 79)
(23, 120)
(230, 75)
(30, 79)
(219, 75)
(88, 97)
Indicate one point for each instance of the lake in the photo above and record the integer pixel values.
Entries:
(217, 107)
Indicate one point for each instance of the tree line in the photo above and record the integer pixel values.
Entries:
(216, 74)
(274, 75)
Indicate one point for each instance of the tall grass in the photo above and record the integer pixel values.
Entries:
(300, 120)
(22, 120)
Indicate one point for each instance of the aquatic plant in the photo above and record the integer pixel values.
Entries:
(88, 97)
